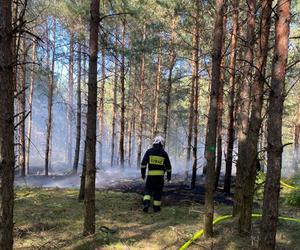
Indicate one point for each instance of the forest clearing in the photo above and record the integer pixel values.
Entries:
(50, 218)
(149, 124)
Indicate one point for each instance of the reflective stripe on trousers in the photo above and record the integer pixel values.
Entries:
(156, 172)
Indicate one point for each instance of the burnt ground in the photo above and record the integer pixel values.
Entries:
(174, 193)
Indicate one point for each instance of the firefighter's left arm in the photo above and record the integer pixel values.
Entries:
(168, 168)
(144, 164)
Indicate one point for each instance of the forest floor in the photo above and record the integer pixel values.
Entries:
(52, 218)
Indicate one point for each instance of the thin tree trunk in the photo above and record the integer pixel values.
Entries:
(196, 91)
(221, 107)
(131, 134)
(244, 102)
(89, 194)
(275, 111)
(29, 125)
(170, 80)
(101, 108)
(114, 116)
(157, 90)
(141, 103)
(78, 122)
(15, 23)
(210, 146)
(83, 171)
(70, 100)
(122, 80)
(7, 155)
(190, 127)
(231, 86)
(296, 156)
(249, 148)
(50, 95)
(82, 177)
(22, 108)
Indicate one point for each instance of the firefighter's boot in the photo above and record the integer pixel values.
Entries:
(156, 206)
(146, 202)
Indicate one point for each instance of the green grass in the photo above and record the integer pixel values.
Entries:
(53, 219)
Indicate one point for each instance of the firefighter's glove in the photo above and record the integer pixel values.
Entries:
(169, 176)
(143, 173)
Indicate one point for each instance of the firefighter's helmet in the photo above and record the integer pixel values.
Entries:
(159, 140)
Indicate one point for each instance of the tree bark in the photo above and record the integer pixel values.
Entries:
(195, 79)
(22, 107)
(157, 90)
(89, 194)
(82, 177)
(7, 156)
(101, 107)
(114, 116)
(131, 134)
(248, 150)
(83, 172)
(50, 95)
(231, 86)
(141, 103)
(275, 111)
(171, 65)
(122, 80)
(296, 156)
(220, 103)
(190, 127)
(70, 100)
(31, 88)
(244, 102)
(210, 146)
(78, 120)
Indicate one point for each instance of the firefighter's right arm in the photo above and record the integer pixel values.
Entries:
(144, 165)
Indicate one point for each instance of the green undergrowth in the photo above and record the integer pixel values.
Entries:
(53, 219)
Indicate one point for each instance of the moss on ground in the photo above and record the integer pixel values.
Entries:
(52, 219)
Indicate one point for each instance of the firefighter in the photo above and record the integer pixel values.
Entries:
(157, 161)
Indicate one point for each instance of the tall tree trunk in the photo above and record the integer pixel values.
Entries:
(231, 87)
(7, 155)
(190, 126)
(70, 100)
(82, 177)
(171, 65)
(22, 107)
(157, 90)
(83, 171)
(89, 196)
(195, 79)
(114, 116)
(221, 106)
(131, 134)
(248, 150)
(15, 23)
(122, 80)
(29, 125)
(296, 156)
(50, 95)
(78, 122)
(101, 107)
(275, 111)
(141, 103)
(244, 102)
(210, 146)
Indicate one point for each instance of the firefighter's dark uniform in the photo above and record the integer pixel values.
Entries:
(158, 162)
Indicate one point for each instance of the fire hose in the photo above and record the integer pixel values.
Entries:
(227, 217)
